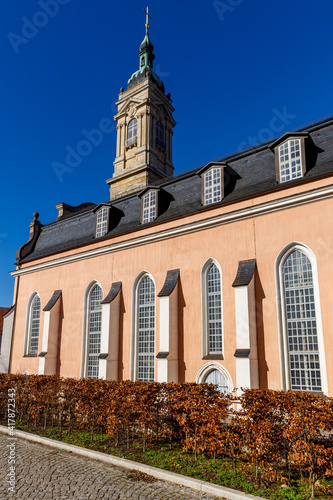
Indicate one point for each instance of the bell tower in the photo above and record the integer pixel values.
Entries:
(144, 128)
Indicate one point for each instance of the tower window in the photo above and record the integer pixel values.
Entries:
(102, 219)
(290, 161)
(212, 186)
(131, 132)
(149, 207)
(160, 134)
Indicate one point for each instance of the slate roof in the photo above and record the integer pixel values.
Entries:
(245, 272)
(255, 174)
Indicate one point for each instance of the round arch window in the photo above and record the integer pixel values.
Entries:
(215, 377)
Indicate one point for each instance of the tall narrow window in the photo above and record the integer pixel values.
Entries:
(102, 222)
(149, 207)
(159, 134)
(214, 310)
(212, 327)
(146, 330)
(290, 160)
(212, 186)
(131, 132)
(94, 331)
(33, 321)
(301, 323)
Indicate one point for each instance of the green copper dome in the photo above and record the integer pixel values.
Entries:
(146, 57)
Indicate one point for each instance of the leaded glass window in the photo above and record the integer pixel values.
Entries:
(212, 186)
(215, 377)
(302, 334)
(94, 331)
(290, 160)
(102, 222)
(146, 331)
(214, 310)
(131, 131)
(149, 207)
(34, 320)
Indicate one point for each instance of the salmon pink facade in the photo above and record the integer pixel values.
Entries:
(219, 275)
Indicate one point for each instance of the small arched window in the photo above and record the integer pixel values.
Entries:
(33, 324)
(131, 132)
(212, 309)
(215, 377)
(160, 134)
(144, 334)
(301, 327)
(93, 327)
(216, 374)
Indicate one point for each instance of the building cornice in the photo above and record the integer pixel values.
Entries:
(265, 208)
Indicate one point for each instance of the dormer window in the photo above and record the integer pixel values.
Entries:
(290, 160)
(149, 207)
(102, 221)
(160, 135)
(212, 186)
(290, 157)
(131, 132)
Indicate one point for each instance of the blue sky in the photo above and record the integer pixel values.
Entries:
(239, 71)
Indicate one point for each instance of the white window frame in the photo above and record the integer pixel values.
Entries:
(102, 221)
(287, 151)
(204, 308)
(206, 369)
(28, 327)
(149, 203)
(282, 320)
(86, 328)
(135, 325)
(212, 185)
(132, 131)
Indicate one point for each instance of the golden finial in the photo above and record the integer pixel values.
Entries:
(147, 16)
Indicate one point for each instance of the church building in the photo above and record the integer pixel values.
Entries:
(219, 275)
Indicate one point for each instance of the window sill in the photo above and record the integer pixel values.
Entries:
(30, 356)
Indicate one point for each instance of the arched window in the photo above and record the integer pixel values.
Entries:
(216, 374)
(301, 323)
(131, 131)
(92, 333)
(143, 358)
(32, 326)
(301, 342)
(159, 134)
(212, 309)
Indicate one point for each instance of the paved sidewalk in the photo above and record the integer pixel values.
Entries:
(44, 473)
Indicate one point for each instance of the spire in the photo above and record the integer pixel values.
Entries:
(146, 57)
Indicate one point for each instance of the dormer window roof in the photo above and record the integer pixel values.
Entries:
(290, 156)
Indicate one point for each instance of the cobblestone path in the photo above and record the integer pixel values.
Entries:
(44, 473)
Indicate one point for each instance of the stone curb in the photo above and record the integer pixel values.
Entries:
(172, 477)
